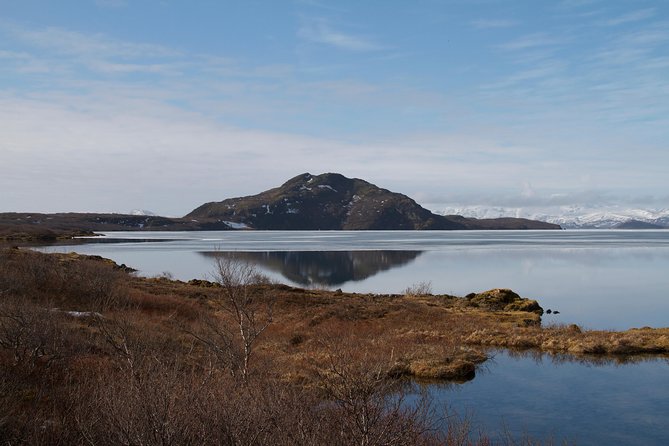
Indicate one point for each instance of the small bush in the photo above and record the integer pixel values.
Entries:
(419, 289)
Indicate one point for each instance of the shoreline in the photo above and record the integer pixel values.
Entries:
(432, 336)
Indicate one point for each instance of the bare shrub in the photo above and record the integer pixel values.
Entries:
(157, 406)
(78, 283)
(419, 289)
(369, 407)
(23, 273)
(35, 347)
(94, 285)
(247, 312)
(32, 334)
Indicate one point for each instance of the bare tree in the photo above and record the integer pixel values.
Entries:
(247, 312)
(31, 333)
(369, 405)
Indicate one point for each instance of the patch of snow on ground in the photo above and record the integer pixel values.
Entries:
(235, 225)
(78, 314)
(83, 313)
(325, 186)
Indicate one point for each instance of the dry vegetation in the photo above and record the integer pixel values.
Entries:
(90, 354)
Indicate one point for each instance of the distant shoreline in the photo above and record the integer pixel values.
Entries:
(27, 227)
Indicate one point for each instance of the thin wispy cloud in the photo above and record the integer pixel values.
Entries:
(576, 3)
(79, 44)
(550, 69)
(531, 41)
(630, 17)
(14, 55)
(111, 3)
(493, 23)
(549, 96)
(651, 36)
(127, 68)
(320, 31)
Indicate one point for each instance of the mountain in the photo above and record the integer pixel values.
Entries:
(636, 224)
(571, 217)
(327, 268)
(334, 202)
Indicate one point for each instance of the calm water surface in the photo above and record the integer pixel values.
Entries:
(597, 279)
(566, 401)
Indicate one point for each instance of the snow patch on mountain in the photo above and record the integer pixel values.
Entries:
(236, 225)
(142, 212)
(569, 217)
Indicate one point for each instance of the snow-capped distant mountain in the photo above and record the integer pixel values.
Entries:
(142, 212)
(571, 217)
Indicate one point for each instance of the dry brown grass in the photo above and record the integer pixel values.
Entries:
(130, 371)
(571, 339)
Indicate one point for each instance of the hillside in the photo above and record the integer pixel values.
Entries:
(50, 227)
(334, 202)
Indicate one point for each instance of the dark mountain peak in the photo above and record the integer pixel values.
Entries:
(327, 181)
(297, 180)
(331, 201)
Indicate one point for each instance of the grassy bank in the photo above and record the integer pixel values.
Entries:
(91, 354)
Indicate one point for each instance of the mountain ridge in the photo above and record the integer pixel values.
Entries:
(574, 217)
(331, 201)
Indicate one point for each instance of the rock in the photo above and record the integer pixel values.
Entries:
(502, 299)
(549, 311)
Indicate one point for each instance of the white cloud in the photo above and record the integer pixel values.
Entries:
(577, 3)
(86, 45)
(320, 31)
(530, 41)
(121, 147)
(630, 17)
(197, 128)
(105, 67)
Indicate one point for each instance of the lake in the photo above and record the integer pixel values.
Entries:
(597, 279)
(602, 279)
(562, 400)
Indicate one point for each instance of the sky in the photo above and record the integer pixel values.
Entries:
(114, 105)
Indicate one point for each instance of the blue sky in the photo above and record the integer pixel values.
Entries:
(110, 105)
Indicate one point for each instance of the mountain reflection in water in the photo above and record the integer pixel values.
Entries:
(328, 268)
